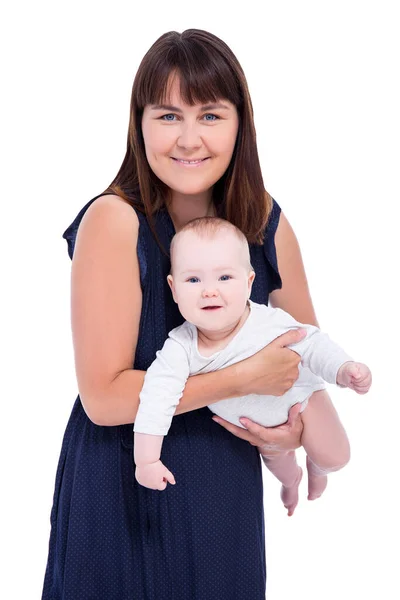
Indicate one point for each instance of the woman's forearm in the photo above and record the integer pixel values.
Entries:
(204, 389)
(119, 403)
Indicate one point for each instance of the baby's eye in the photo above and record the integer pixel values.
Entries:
(193, 280)
(225, 277)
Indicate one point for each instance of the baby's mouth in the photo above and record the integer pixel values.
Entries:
(211, 307)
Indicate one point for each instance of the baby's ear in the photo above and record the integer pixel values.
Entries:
(250, 282)
(170, 280)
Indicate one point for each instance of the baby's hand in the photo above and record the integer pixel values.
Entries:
(355, 376)
(154, 476)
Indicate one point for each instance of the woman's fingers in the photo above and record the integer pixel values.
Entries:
(294, 414)
(271, 439)
(268, 438)
(273, 433)
(251, 426)
(293, 336)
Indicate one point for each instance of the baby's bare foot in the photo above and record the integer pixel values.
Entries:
(290, 495)
(317, 481)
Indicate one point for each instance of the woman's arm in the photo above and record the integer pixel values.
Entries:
(273, 370)
(120, 401)
(294, 296)
(106, 302)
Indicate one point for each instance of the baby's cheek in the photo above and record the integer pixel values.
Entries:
(187, 306)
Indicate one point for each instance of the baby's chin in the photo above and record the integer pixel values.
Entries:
(210, 314)
(217, 322)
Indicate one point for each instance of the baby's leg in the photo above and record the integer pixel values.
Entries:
(288, 472)
(324, 440)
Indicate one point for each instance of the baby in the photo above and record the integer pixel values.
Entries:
(211, 279)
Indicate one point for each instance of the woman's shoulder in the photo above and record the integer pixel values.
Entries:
(108, 223)
(104, 215)
(111, 206)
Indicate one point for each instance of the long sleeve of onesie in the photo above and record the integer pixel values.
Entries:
(318, 352)
(162, 389)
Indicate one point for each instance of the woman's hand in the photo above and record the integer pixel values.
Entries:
(282, 438)
(274, 369)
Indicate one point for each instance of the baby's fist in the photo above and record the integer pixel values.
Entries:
(355, 376)
(154, 476)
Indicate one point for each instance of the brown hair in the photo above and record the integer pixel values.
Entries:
(208, 71)
(211, 227)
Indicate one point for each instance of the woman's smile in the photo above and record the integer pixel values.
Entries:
(190, 163)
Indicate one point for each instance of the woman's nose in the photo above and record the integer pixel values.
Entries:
(189, 136)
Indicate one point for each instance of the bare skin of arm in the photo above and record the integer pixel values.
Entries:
(106, 303)
(294, 296)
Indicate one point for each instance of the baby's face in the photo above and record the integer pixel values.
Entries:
(211, 281)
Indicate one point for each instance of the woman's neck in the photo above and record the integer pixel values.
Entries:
(183, 208)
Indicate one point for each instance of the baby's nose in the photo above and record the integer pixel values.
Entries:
(210, 293)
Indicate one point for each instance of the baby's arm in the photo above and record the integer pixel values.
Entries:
(163, 387)
(320, 354)
(150, 472)
(327, 359)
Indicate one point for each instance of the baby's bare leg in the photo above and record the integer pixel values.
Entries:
(324, 440)
(288, 472)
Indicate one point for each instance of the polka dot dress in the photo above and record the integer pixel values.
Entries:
(201, 539)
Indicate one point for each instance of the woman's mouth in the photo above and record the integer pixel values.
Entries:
(190, 163)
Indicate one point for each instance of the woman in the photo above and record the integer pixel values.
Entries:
(191, 152)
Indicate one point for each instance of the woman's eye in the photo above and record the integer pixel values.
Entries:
(225, 277)
(171, 117)
(193, 280)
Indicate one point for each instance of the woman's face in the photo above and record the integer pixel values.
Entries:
(177, 133)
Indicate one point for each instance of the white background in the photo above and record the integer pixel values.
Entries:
(323, 78)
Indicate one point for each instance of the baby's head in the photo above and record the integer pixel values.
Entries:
(211, 274)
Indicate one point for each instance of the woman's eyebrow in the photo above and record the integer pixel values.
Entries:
(176, 109)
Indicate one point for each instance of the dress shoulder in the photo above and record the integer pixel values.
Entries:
(274, 279)
(71, 232)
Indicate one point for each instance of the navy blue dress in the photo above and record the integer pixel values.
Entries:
(201, 539)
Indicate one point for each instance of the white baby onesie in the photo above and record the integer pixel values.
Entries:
(179, 358)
